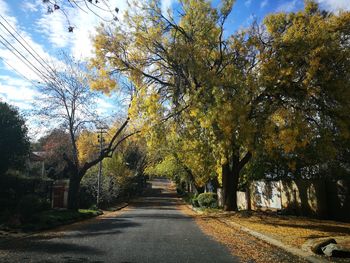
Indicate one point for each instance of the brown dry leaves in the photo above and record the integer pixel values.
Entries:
(291, 230)
(246, 247)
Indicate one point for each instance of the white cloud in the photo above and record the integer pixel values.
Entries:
(5, 10)
(84, 21)
(53, 26)
(15, 59)
(17, 92)
(247, 3)
(264, 3)
(3, 7)
(287, 6)
(335, 5)
(20, 92)
(30, 6)
(166, 5)
(104, 105)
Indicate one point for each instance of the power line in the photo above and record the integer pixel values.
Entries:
(31, 66)
(18, 73)
(102, 130)
(21, 57)
(51, 75)
(36, 53)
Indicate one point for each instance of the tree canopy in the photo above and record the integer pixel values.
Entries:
(14, 142)
(276, 89)
(54, 146)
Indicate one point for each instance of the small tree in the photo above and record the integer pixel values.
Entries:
(14, 142)
(54, 145)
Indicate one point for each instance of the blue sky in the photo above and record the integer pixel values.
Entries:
(47, 35)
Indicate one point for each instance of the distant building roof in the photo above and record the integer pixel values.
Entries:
(37, 156)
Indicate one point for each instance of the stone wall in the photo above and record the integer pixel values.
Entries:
(265, 195)
(242, 201)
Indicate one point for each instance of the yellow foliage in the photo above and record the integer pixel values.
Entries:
(232, 105)
(87, 145)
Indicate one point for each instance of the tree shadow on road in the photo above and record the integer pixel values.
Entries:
(51, 247)
(68, 241)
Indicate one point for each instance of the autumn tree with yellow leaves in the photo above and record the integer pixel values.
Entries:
(279, 85)
(122, 172)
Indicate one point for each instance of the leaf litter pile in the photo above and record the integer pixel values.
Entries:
(291, 230)
(248, 248)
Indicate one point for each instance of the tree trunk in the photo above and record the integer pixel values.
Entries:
(73, 192)
(215, 184)
(235, 174)
(228, 188)
(199, 189)
(230, 179)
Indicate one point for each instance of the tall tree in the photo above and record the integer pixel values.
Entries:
(307, 72)
(14, 142)
(68, 101)
(264, 88)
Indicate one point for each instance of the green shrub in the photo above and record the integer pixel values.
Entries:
(180, 191)
(207, 200)
(29, 205)
(194, 201)
(93, 207)
(15, 187)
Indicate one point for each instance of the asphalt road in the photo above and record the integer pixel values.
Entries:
(150, 230)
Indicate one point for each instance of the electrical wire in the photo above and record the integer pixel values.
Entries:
(52, 75)
(30, 47)
(22, 58)
(36, 58)
(18, 73)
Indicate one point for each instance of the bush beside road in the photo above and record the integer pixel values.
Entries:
(51, 218)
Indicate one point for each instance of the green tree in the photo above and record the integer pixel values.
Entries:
(14, 142)
(182, 152)
(307, 72)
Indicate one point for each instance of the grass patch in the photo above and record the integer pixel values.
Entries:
(209, 210)
(187, 198)
(51, 218)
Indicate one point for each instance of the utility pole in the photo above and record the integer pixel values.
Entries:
(99, 176)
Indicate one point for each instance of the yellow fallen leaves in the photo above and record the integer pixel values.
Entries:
(291, 230)
(242, 245)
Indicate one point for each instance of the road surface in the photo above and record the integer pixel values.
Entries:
(151, 229)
